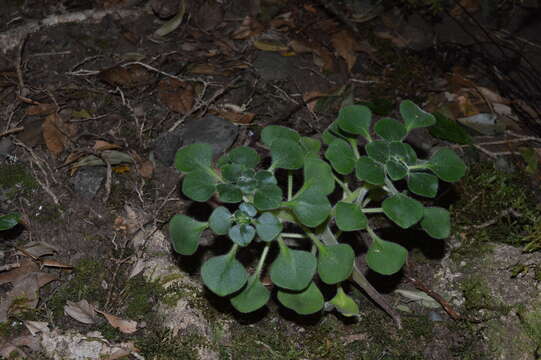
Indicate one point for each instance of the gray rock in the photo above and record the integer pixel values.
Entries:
(167, 145)
(212, 130)
(271, 66)
(87, 181)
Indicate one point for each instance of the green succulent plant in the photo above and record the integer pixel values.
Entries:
(265, 208)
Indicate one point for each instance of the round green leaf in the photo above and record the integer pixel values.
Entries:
(311, 207)
(378, 150)
(355, 119)
(386, 257)
(229, 193)
(185, 233)
(268, 197)
(403, 210)
(390, 129)
(242, 234)
(344, 303)
(447, 165)
(193, 157)
(286, 154)
(310, 147)
(396, 169)
(9, 220)
(414, 117)
(423, 184)
(223, 275)
(293, 269)
(437, 222)
(274, 132)
(246, 181)
(268, 227)
(264, 177)
(244, 156)
(403, 151)
(198, 185)
(349, 217)
(231, 172)
(220, 220)
(248, 209)
(370, 171)
(305, 302)
(254, 296)
(335, 263)
(317, 173)
(341, 156)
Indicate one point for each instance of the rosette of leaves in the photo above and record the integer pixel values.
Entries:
(256, 206)
(389, 159)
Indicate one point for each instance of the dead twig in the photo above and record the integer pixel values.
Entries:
(8, 267)
(12, 131)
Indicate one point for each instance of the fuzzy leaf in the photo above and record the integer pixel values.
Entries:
(447, 165)
(423, 184)
(310, 147)
(390, 129)
(241, 234)
(403, 210)
(414, 117)
(378, 150)
(344, 303)
(355, 119)
(311, 207)
(437, 222)
(286, 154)
(319, 174)
(224, 274)
(386, 257)
(305, 302)
(335, 263)
(268, 227)
(245, 156)
(185, 233)
(396, 169)
(403, 152)
(293, 269)
(229, 193)
(370, 171)
(9, 220)
(349, 217)
(193, 157)
(198, 185)
(274, 132)
(341, 156)
(220, 220)
(268, 197)
(254, 296)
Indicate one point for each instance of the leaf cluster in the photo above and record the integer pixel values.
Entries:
(264, 206)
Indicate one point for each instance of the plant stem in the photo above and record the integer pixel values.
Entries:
(390, 186)
(293, 235)
(418, 166)
(342, 184)
(289, 186)
(262, 259)
(372, 210)
(353, 143)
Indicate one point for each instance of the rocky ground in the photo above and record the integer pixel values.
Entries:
(97, 96)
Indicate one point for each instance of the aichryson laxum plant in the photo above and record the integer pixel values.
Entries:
(312, 244)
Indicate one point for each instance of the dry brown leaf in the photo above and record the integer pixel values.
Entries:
(146, 169)
(81, 311)
(345, 46)
(24, 294)
(492, 96)
(56, 133)
(324, 59)
(35, 327)
(125, 326)
(41, 109)
(315, 95)
(269, 45)
(55, 264)
(300, 47)
(283, 22)
(27, 266)
(13, 347)
(207, 69)
(236, 117)
(177, 95)
(37, 249)
(247, 29)
(129, 76)
(100, 145)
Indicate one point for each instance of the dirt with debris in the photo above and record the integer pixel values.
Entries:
(97, 96)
